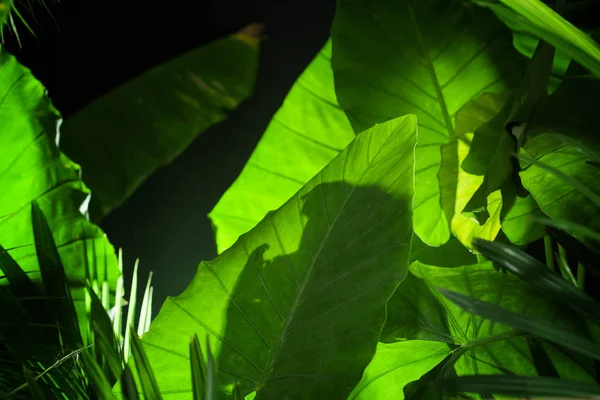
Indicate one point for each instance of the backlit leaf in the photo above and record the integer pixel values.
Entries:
(429, 58)
(295, 308)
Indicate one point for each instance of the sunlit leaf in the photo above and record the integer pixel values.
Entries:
(395, 365)
(33, 169)
(429, 58)
(295, 308)
(307, 132)
(419, 311)
(125, 135)
(538, 19)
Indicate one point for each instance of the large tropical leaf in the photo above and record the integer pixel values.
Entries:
(307, 132)
(125, 135)
(419, 311)
(538, 19)
(558, 198)
(429, 58)
(33, 169)
(395, 365)
(295, 307)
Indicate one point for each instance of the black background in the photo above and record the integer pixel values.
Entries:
(85, 48)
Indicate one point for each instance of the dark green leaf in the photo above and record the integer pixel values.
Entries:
(96, 376)
(587, 256)
(124, 136)
(520, 386)
(429, 58)
(128, 385)
(197, 368)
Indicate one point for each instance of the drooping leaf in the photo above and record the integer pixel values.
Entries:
(307, 132)
(33, 169)
(295, 308)
(395, 365)
(429, 58)
(539, 20)
(124, 136)
(418, 310)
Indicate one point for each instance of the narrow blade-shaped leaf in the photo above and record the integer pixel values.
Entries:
(521, 386)
(538, 19)
(526, 324)
(144, 368)
(295, 308)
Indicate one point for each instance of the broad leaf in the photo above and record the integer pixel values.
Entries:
(307, 132)
(127, 134)
(395, 365)
(539, 20)
(419, 311)
(295, 308)
(458, 186)
(33, 169)
(430, 58)
(559, 199)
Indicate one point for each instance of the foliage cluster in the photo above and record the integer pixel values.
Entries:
(373, 247)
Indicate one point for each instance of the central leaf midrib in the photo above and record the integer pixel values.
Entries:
(432, 74)
(278, 345)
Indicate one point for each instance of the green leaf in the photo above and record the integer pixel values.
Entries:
(395, 365)
(97, 377)
(536, 18)
(526, 323)
(521, 386)
(144, 368)
(128, 385)
(538, 275)
(429, 58)
(295, 308)
(33, 169)
(557, 198)
(307, 132)
(197, 368)
(127, 134)
(54, 280)
(417, 310)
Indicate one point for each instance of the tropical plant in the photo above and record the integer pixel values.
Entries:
(380, 242)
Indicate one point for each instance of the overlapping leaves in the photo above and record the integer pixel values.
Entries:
(429, 58)
(307, 132)
(32, 168)
(295, 308)
(127, 134)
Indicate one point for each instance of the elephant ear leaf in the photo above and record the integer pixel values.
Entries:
(32, 169)
(478, 345)
(121, 138)
(296, 306)
(305, 134)
(429, 58)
